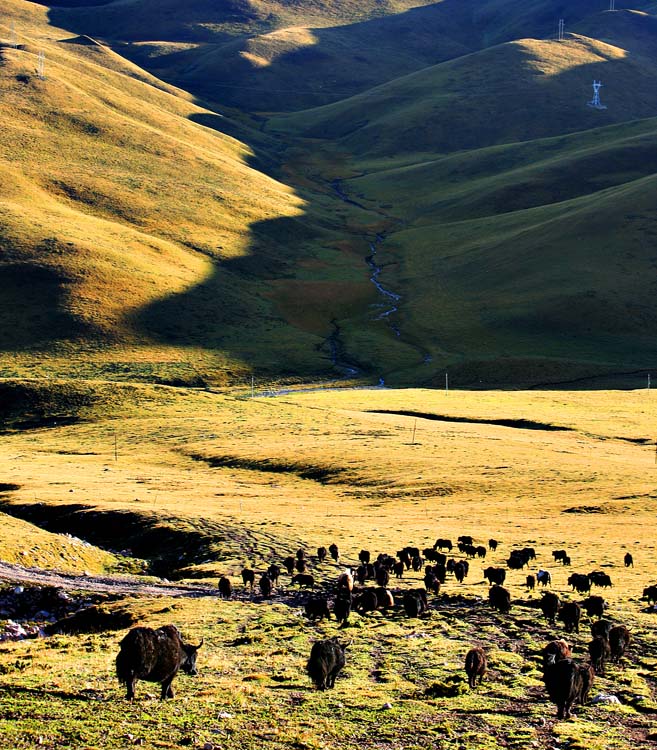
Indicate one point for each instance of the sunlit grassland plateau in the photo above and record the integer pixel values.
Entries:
(250, 480)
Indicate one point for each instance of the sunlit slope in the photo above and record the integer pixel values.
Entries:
(516, 91)
(299, 66)
(275, 56)
(200, 20)
(115, 202)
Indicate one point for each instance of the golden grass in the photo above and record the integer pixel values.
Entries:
(388, 481)
(370, 484)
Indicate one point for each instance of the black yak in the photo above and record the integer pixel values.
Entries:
(570, 615)
(155, 656)
(274, 572)
(266, 586)
(325, 662)
(342, 606)
(567, 682)
(225, 588)
(600, 653)
(475, 665)
(414, 602)
(594, 605)
(549, 605)
(619, 640)
(317, 607)
(601, 628)
(495, 575)
(499, 599)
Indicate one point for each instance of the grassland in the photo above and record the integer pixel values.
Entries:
(152, 233)
(253, 479)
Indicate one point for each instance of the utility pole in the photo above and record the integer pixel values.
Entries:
(561, 31)
(612, 4)
(41, 65)
(446, 383)
(252, 386)
(595, 102)
(648, 381)
(13, 39)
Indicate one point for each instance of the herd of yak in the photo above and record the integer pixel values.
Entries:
(158, 655)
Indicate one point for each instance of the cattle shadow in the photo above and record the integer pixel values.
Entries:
(82, 696)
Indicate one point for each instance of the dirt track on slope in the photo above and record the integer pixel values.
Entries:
(101, 584)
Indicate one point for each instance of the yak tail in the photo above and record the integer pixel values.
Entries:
(130, 654)
(314, 671)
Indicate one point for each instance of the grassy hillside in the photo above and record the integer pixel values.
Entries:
(509, 217)
(265, 55)
(148, 236)
(517, 91)
(131, 224)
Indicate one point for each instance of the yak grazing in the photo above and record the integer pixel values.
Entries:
(325, 662)
(155, 656)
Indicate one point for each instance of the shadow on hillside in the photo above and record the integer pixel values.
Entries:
(236, 309)
(34, 308)
(328, 64)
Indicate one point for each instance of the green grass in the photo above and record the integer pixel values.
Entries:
(498, 222)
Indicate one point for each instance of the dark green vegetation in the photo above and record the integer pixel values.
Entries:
(515, 223)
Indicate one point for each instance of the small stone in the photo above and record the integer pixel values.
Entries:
(605, 698)
(386, 706)
(224, 715)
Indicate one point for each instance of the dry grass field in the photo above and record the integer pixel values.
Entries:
(230, 481)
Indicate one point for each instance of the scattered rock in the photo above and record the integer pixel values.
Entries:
(386, 706)
(605, 698)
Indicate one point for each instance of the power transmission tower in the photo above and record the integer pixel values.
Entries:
(41, 65)
(562, 25)
(595, 102)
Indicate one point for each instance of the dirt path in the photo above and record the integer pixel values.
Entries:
(101, 584)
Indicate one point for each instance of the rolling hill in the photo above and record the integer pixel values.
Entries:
(159, 225)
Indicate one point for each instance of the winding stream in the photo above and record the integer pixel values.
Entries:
(391, 298)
